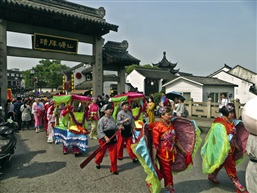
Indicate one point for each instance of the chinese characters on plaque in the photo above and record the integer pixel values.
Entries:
(53, 43)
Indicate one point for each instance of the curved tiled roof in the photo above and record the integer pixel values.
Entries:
(115, 53)
(44, 11)
(156, 73)
(209, 81)
(164, 63)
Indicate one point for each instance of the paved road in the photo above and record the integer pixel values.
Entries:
(40, 167)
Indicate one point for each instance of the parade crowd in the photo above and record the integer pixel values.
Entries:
(116, 134)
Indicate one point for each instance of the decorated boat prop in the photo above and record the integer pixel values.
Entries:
(188, 135)
(217, 146)
(137, 104)
(71, 115)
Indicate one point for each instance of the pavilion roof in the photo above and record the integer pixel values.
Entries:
(164, 63)
(115, 54)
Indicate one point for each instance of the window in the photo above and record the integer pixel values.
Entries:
(215, 97)
(187, 95)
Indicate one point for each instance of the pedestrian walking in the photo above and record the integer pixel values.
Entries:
(25, 115)
(17, 111)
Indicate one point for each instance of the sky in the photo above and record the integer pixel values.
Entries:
(200, 36)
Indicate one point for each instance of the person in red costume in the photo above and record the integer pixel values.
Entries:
(165, 144)
(228, 115)
(125, 118)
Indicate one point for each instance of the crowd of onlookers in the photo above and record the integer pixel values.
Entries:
(32, 112)
(177, 105)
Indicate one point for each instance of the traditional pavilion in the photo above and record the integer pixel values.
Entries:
(115, 59)
(150, 80)
(166, 65)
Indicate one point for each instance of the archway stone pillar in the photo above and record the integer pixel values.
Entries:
(3, 65)
(97, 67)
(121, 83)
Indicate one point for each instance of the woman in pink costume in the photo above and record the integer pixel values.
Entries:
(38, 110)
(94, 117)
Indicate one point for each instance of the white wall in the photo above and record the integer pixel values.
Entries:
(83, 77)
(137, 80)
(182, 85)
(244, 74)
(242, 91)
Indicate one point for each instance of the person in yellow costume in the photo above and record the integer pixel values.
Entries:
(150, 110)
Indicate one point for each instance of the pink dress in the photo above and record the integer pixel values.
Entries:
(38, 115)
(93, 111)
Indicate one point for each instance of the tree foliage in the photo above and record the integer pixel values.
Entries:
(130, 68)
(48, 74)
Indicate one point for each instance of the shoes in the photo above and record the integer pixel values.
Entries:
(98, 166)
(135, 160)
(65, 152)
(239, 187)
(115, 173)
(120, 159)
(78, 154)
(239, 191)
(213, 179)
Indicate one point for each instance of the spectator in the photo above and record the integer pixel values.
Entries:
(223, 100)
(9, 109)
(180, 110)
(17, 111)
(25, 115)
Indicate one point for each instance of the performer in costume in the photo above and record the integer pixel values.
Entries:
(106, 129)
(225, 130)
(50, 121)
(249, 116)
(164, 146)
(150, 110)
(94, 117)
(126, 119)
(37, 110)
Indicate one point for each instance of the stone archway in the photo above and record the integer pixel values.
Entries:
(54, 19)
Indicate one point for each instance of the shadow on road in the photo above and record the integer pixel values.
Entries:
(24, 167)
(203, 185)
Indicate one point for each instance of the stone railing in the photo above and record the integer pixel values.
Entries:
(209, 109)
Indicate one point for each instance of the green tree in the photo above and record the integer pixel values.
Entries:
(48, 74)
